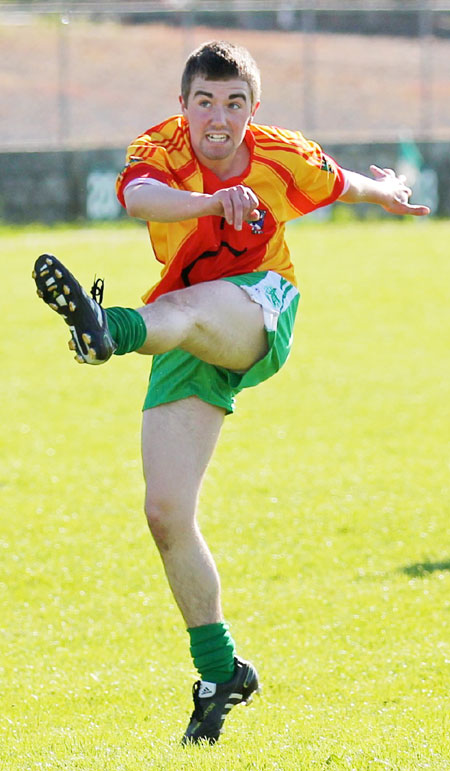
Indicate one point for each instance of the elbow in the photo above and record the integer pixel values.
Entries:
(348, 197)
(135, 206)
(133, 210)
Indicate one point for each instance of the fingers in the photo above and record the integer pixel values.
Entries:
(416, 210)
(402, 190)
(239, 204)
(382, 173)
(400, 205)
(243, 202)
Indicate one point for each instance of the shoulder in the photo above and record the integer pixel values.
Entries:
(164, 151)
(170, 137)
(273, 139)
(170, 131)
(274, 135)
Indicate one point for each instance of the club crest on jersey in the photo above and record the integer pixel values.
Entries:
(326, 165)
(257, 227)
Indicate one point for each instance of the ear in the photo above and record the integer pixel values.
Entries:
(183, 105)
(255, 107)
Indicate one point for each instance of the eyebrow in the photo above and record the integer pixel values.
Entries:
(239, 95)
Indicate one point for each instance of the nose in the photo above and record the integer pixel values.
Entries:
(218, 117)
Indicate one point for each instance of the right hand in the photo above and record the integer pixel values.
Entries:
(238, 204)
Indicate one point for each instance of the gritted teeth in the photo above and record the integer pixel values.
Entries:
(217, 137)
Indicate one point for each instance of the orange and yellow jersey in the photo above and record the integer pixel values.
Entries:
(290, 175)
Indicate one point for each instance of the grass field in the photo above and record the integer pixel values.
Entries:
(326, 507)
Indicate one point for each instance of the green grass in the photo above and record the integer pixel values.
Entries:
(326, 506)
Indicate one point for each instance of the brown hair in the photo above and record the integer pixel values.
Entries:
(219, 60)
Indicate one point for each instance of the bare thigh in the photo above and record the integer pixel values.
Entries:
(215, 321)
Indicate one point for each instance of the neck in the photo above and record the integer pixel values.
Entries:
(229, 167)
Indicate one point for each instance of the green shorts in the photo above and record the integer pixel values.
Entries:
(178, 374)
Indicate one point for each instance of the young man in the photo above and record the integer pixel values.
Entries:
(216, 191)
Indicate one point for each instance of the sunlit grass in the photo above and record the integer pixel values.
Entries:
(326, 506)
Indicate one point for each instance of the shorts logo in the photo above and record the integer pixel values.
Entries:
(257, 227)
(271, 294)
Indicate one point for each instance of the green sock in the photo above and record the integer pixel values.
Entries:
(127, 328)
(213, 651)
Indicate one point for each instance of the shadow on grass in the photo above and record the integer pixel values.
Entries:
(420, 569)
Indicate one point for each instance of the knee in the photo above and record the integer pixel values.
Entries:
(158, 522)
(179, 304)
(164, 521)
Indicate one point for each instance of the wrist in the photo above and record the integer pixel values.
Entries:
(378, 194)
(208, 205)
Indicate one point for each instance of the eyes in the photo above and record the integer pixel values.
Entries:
(233, 106)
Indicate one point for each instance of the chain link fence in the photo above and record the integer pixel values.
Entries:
(79, 80)
(80, 74)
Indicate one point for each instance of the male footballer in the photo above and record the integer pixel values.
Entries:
(216, 190)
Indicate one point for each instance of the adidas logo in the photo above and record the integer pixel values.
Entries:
(207, 690)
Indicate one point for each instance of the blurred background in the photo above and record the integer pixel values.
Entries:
(368, 80)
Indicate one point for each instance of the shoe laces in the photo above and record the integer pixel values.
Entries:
(97, 289)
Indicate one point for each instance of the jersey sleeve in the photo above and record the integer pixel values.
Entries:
(320, 179)
(144, 160)
(305, 176)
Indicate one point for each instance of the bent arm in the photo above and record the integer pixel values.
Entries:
(157, 202)
(386, 190)
(154, 201)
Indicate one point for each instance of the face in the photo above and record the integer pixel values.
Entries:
(218, 112)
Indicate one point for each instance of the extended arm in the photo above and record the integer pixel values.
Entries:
(386, 190)
(157, 202)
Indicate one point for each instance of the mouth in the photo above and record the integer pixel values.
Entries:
(217, 138)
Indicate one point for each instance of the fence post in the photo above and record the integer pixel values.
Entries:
(308, 27)
(425, 30)
(63, 130)
(188, 27)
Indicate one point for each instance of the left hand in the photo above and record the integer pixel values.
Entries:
(396, 193)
